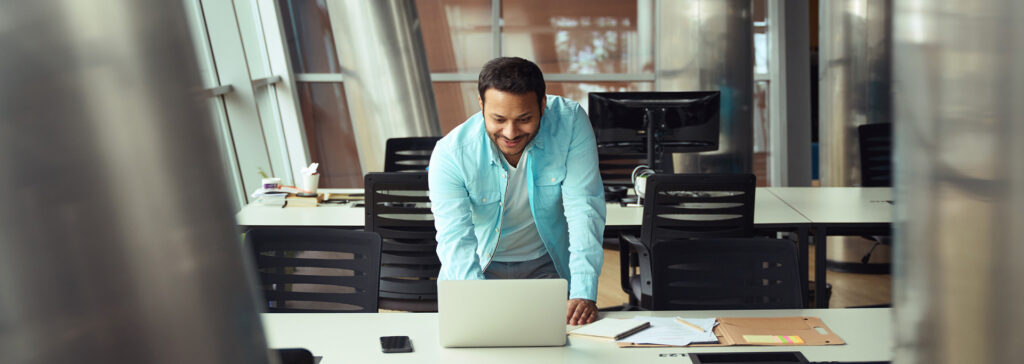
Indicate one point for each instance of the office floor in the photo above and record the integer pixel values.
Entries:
(848, 289)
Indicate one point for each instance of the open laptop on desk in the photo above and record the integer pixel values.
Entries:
(502, 312)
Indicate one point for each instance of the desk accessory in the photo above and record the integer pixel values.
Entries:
(310, 179)
(611, 328)
(343, 197)
(297, 200)
(687, 323)
(395, 344)
(271, 183)
(776, 357)
(767, 331)
(670, 332)
(296, 356)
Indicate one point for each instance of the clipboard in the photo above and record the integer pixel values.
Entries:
(767, 331)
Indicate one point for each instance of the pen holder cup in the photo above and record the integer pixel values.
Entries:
(310, 182)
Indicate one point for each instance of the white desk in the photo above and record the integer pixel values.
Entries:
(770, 214)
(354, 338)
(769, 211)
(838, 211)
(837, 206)
(822, 210)
(324, 215)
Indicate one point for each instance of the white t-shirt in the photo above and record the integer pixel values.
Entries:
(519, 240)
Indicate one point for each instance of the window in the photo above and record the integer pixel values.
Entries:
(582, 46)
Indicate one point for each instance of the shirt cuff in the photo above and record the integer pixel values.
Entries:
(583, 286)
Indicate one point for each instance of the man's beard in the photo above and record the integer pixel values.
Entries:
(521, 146)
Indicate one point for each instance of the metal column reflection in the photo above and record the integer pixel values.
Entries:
(959, 181)
(707, 45)
(854, 77)
(117, 240)
(387, 82)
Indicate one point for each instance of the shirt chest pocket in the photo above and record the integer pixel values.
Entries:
(548, 190)
(485, 205)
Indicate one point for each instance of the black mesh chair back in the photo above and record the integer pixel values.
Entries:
(725, 274)
(682, 206)
(304, 269)
(617, 168)
(875, 154)
(408, 154)
(679, 207)
(398, 208)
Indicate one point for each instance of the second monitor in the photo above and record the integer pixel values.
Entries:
(655, 123)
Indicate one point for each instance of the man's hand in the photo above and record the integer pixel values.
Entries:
(581, 311)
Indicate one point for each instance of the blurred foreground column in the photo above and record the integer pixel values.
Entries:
(959, 110)
(117, 242)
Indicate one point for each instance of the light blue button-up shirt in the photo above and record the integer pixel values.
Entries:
(467, 191)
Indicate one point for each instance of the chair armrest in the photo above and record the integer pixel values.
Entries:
(633, 241)
(624, 268)
(643, 256)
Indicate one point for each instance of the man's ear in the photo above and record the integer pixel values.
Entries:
(481, 102)
(543, 105)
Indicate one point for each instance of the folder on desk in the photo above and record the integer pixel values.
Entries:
(768, 331)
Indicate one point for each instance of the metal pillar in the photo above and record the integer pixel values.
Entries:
(854, 74)
(387, 81)
(707, 45)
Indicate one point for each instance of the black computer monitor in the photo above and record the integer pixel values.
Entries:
(655, 123)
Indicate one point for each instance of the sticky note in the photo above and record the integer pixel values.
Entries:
(772, 339)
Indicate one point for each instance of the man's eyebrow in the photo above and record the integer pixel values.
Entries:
(525, 114)
(497, 116)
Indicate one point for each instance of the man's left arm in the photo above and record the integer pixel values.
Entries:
(583, 201)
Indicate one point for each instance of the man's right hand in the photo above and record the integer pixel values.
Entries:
(581, 312)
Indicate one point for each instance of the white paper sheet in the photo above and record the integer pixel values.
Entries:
(668, 331)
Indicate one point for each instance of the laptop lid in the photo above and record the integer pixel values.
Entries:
(502, 312)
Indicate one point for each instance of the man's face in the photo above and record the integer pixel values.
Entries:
(512, 120)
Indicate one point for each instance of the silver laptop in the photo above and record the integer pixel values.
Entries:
(502, 312)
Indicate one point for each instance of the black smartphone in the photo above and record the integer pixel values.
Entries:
(395, 344)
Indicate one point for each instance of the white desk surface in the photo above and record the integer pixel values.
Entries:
(323, 215)
(839, 205)
(354, 338)
(768, 210)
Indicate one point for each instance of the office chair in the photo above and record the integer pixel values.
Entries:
(875, 154)
(304, 269)
(720, 274)
(684, 206)
(615, 171)
(875, 170)
(408, 154)
(398, 208)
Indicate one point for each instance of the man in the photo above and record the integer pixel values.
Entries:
(515, 189)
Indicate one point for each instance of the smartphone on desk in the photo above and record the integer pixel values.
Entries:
(395, 344)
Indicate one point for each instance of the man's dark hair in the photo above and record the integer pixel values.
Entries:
(514, 75)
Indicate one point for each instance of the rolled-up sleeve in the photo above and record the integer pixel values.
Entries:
(449, 201)
(583, 200)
